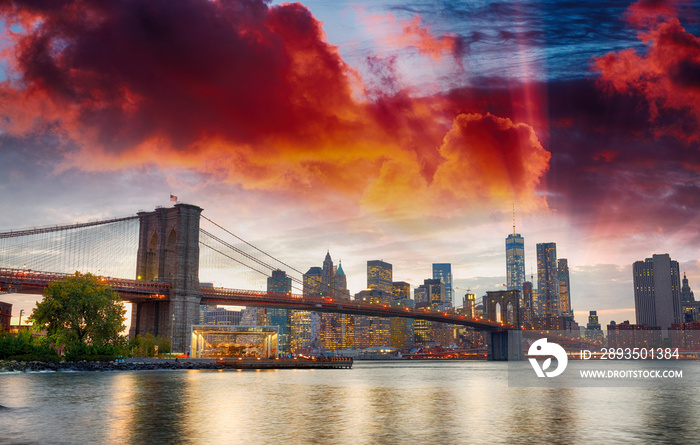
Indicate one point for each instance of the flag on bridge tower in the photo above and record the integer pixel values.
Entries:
(173, 198)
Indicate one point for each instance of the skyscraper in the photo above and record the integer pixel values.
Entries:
(379, 276)
(280, 283)
(337, 330)
(687, 295)
(369, 330)
(305, 325)
(564, 287)
(657, 291)
(400, 290)
(547, 279)
(443, 271)
(515, 262)
(593, 330)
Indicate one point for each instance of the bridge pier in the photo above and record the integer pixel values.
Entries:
(506, 345)
(150, 317)
(169, 252)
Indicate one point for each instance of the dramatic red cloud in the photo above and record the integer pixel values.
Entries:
(402, 33)
(487, 160)
(253, 95)
(667, 75)
(648, 12)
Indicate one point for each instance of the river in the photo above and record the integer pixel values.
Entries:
(373, 403)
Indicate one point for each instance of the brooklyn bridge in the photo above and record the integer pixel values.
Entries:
(172, 248)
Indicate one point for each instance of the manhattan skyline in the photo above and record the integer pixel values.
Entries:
(373, 130)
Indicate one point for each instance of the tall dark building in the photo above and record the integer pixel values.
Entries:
(379, 276)
(548, 279)
(515, 262)
(327, 276)
(564, 288)
(657, 291)
(443, 271)
(279, 282)
(686, 294)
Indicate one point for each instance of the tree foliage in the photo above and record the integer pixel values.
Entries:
(23, 346)
(80, 311)
(145, 346)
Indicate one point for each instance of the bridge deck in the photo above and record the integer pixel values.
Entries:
(137, 290)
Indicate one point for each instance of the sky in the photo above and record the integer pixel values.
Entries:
(401, 131)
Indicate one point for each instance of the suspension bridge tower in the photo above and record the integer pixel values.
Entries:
(169, 252)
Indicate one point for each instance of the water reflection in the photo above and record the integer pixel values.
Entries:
(457, 402)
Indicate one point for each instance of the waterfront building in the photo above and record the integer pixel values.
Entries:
(430, 294)
(515, 262)
(422, 333)
(219, 342)
(379, 276)
(442, 334)
(443, 272)
(372, 331)
(657, 291)
(547, 279)
(626, 335)
(279, 283)
(402, 328)
(685, 335)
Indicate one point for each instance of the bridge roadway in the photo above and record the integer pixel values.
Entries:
(28, 281)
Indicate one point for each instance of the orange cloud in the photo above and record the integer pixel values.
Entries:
(254, 96)
(487, 160)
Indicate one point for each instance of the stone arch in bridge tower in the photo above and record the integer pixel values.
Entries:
(150, 269)
(503, 301)
(169, 252)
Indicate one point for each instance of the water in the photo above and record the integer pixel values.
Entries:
(374, 403)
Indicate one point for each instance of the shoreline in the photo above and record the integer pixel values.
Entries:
(145, 364)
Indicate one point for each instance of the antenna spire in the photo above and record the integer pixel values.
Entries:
(513, 219)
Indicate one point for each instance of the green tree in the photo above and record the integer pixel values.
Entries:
(80, 311)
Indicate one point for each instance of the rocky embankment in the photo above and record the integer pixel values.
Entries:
(165, 364)
(18, 366)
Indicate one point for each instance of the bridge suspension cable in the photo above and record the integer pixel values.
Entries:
(257, 249)
(49, 229)
(100, 247)
(259, 261)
